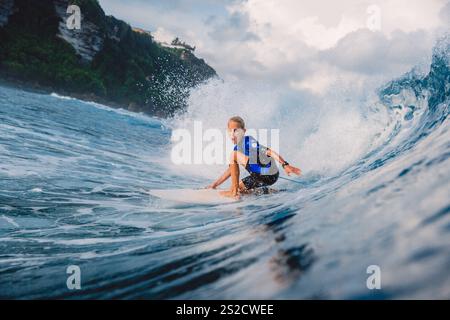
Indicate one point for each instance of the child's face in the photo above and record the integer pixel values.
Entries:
(235, 132)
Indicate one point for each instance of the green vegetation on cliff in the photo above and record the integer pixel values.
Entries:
(130, 69)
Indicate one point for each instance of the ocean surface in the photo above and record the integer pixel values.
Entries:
(375, 190)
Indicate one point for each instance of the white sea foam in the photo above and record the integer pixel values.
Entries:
(321, 136)
(55, 95)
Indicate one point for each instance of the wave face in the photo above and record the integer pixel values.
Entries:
(74, 181)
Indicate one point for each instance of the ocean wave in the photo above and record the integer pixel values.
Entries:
(74, 178)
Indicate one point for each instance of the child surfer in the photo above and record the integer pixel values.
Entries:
(258, 160)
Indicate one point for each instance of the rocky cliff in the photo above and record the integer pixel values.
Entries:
(105, 60)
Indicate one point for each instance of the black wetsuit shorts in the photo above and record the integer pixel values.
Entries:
(255, 180)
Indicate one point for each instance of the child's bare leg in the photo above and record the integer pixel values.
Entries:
(234, 190)
(236, 159)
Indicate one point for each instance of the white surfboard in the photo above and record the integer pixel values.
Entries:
(192, 196)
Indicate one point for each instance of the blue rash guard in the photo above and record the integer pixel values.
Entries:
(259, 163)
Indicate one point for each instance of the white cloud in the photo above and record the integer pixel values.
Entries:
(410, 15)
(284, 22)
(371, 53)
(332, 38)
(303, 45)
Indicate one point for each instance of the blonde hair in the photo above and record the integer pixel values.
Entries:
(238, 120)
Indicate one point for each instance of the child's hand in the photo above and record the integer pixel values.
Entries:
(290, 169)
(211, 186)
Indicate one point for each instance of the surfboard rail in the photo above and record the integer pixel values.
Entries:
(192, 196)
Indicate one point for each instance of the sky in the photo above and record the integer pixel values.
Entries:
(303, 45)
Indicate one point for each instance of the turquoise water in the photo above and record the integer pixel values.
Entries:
(74, 181)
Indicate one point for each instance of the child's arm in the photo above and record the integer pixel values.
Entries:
(286, 166)
(221, 180)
